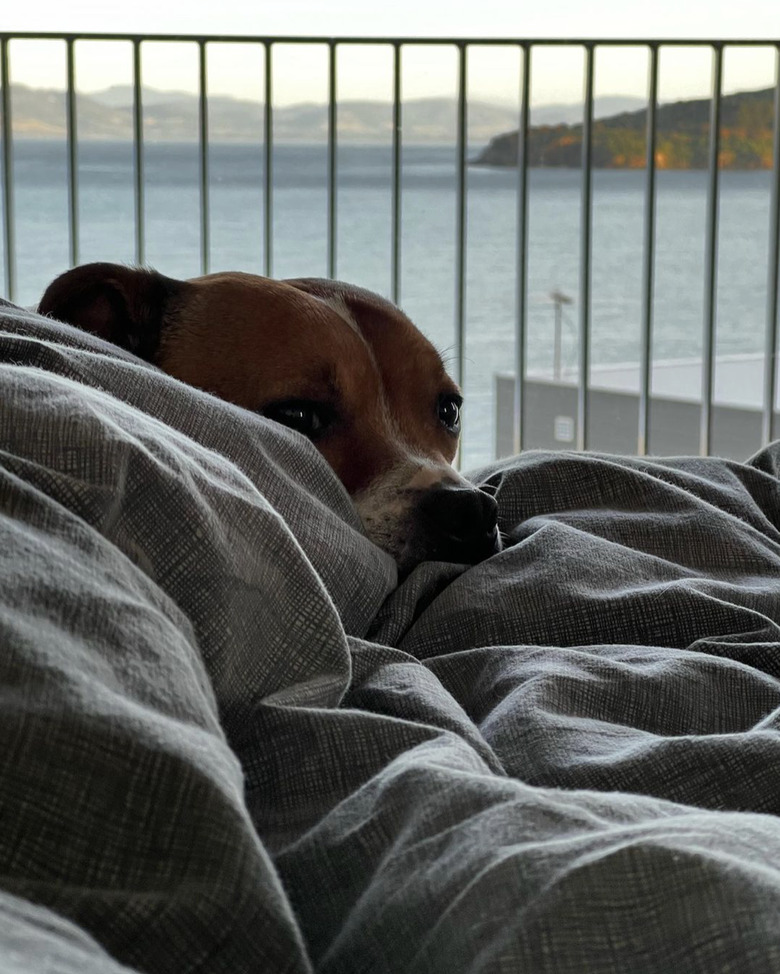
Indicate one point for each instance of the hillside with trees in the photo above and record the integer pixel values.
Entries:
(682, 138)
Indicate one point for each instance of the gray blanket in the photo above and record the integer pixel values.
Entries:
(230, 741)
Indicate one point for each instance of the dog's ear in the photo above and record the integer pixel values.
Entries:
(123, 305)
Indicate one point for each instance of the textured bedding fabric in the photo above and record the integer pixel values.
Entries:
(231, 742)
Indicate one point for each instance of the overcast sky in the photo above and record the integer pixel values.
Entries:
(299, 73)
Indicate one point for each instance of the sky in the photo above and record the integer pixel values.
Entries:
(300, 71)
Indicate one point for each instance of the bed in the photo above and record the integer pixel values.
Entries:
(232, 741)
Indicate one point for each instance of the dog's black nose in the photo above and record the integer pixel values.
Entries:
(459, 524)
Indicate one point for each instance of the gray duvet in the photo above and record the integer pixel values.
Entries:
(231, 742)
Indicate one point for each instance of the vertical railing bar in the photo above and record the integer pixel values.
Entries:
(522, 254)
(460, 225)
(203, 145)
(585, 254)
(268, 121)
(395, 255)
(138, 155)
(648, 269)
(73, 164)
(711, 258)
(770, 354)
(9, 235)
(332, 138)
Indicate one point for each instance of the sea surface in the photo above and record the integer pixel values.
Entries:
(428, 244)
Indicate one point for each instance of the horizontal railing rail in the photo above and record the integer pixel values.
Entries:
(526, 48)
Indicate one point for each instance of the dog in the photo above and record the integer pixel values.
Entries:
(337, 363)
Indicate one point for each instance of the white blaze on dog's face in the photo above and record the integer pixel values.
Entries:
(338, 363)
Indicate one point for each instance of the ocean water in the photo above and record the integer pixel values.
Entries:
(428, 244)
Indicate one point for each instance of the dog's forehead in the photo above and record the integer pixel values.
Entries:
(363, 311)
(394, 339)
(267, 310)
(317, 327)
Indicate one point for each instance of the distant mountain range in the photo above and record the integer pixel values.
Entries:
(555, 136)
(682, 139)
(173, 116)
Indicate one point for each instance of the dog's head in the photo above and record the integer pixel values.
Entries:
(339, 364)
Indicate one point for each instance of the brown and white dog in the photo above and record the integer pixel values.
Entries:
(339, 364)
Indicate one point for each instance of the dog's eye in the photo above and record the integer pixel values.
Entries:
(310, 418)
(449, 412)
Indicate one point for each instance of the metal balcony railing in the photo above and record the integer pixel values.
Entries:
(527, 48)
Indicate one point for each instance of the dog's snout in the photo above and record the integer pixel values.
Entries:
(461, 523)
